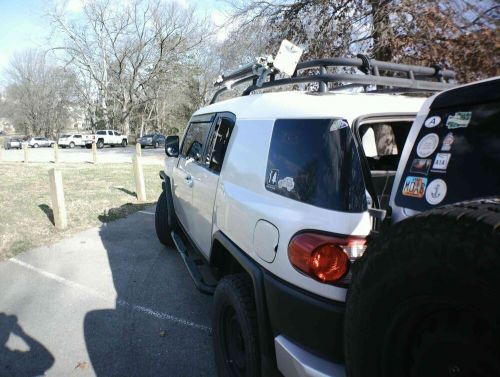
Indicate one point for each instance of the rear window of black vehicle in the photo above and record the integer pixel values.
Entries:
(455, 158)
(195, 138)
(316, 161)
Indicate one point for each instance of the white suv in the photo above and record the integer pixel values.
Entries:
(275, 193)
(71, 141)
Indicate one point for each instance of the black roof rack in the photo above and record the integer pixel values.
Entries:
(262, 75)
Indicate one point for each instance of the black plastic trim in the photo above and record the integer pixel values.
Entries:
(478, 93)
(266, 338)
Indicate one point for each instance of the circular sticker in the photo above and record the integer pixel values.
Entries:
(436, 191)
(427, 145)
(432, 121)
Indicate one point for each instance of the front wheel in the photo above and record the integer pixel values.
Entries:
(35, 146)
(71, 145)
(234, 324)
(100, 144)
(165, 220)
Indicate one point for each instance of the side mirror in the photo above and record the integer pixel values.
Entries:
(172, 146)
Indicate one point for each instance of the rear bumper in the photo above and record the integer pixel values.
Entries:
(294, 361)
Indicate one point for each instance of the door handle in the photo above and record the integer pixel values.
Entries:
(188, 180)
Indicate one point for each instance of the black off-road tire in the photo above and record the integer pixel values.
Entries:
(165, 219)
(71, 145)
(235, 331)
(100, 144)
(425, 297)
(124, 143)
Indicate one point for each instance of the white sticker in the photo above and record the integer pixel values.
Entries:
(287, 183)
(432, 121)
(338, 124)
(436, 191)
(427, 145)
(441, 161)
(448, 141)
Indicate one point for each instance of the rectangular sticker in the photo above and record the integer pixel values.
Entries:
(460, 119)
(441, 161)
(421, 166)
(272, 178)
(414, 187)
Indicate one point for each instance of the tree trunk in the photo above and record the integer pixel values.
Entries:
(383, 32)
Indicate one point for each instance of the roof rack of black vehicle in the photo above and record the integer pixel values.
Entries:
(395, 78)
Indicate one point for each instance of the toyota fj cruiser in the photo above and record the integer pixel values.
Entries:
(276, 194)
(425, 296)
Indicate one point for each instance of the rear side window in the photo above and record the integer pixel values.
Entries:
(77, 136)
(195, 138)
(315, 161)
(456, 157)
(101, 133)
(217, 145)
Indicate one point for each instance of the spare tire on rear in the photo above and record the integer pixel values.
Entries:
(425, 297)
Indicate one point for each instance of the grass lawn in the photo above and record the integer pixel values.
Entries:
(94, 194)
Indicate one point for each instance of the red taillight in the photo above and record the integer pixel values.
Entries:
(323, 257)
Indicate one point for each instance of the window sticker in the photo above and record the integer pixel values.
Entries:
(287, 183)
(415, 187)
(460, 119)
(427, 145)
(421, 166)
(448, 142)
(272, 178)
(441, 161)
(338, 124)
(432, 121)
(436, 191)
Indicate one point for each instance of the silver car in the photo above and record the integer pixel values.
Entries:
(13, 143)
(36, 142)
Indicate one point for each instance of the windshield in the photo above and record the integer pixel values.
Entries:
(65, 135)
(315, 161)
(454, 160)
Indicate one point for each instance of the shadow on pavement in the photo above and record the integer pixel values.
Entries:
(128, 192)
(48, 212)
(23, 356)
(160, 326)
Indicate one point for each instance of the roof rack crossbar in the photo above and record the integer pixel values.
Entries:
(417, 78)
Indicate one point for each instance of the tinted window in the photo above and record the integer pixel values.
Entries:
(456, 159)
(316, 162)
(65, 135)
(110, 132)
(118, 134)
(219, 139)
(101, 132)
(77, 136)
(195, 139)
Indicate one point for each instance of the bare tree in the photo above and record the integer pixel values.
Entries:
(127, 48)
(39, 97)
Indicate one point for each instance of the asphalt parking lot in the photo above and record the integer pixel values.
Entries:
(110, 301)
(77, 154)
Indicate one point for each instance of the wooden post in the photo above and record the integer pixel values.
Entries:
(140, 188)
(1, 152)
(57, 196)
(56, 153)
(25, 149)
(94, 152)
(138, 150)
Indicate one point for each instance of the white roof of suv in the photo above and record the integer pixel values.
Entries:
(314, 105)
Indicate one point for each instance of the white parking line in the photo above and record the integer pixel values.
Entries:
(147, 213)
(119, 301)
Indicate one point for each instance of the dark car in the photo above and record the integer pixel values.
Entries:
(12, 143)
(152, 140)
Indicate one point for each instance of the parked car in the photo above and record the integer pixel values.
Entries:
(272, 192)
(12, 143)
(152, 140)
(105, 137)
(425, 297)
(71, 140)
(36, 142)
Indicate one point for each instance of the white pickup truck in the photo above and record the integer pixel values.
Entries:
(105, 137)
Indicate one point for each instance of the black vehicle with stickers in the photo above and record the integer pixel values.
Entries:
(425, 296)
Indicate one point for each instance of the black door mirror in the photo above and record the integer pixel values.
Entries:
(172, 146)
